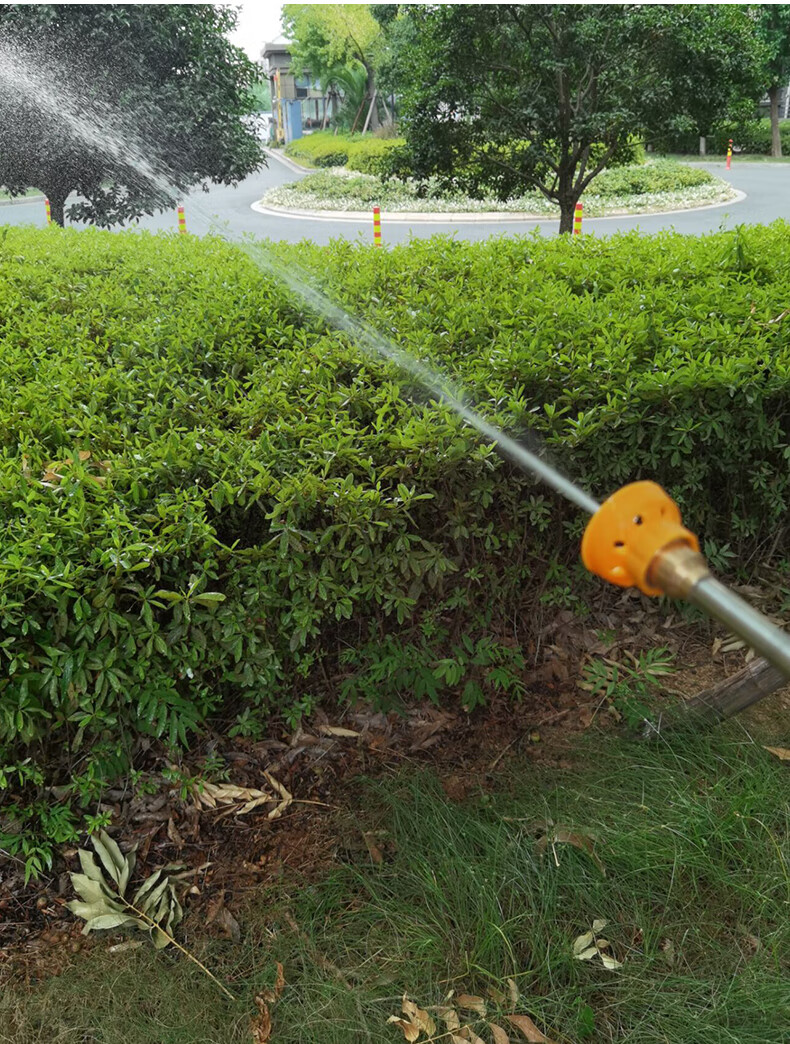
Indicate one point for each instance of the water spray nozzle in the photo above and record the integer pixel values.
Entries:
(628, 531)
(636, 539)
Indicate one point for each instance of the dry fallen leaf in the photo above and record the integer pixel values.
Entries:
(610, 962)
(512, 990)
(271, 996)
(411, 1030)
(529, 1029)
(498, 1035)
(279, 982)
(590, 945)
(287, 798)
(245, 799)
(581, 943)
(173, 834)
(781, 752)
(219, 915)
(261, 1024)
(449, 1017)
(469, 1035)
(417, 1015)
(497, 996)
(335, 730)
(373, 849)
(53, 472)
(471, 1003)
(124, 946)
(562, 836)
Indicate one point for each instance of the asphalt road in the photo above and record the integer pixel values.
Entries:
(223, 209)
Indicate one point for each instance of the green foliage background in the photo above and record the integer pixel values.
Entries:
(269, 517)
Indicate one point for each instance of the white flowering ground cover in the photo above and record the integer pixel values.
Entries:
(639, 189)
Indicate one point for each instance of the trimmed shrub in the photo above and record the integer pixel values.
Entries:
(320, 149)
(372, 155)
(364, 153)
(216, 506)
(661, 176)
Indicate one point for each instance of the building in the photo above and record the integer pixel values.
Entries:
(297, 102)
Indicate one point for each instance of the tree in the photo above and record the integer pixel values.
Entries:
(331, 40)
(128, 105)
(775, 30)
(508, 98)
(261, 94)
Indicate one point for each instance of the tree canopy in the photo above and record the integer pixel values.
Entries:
(128, 105)
(516, 97)
(334, 42)
(774, 27)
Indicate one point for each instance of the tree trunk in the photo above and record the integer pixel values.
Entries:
(567, 212)
(703, 145)
(776, 140)
(373, 115)
(566, 218)
(371, 110)
(57, 202)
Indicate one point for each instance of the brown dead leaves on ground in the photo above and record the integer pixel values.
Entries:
(261, 1024)
(560, 835)
(417, 1024)
(238, 801)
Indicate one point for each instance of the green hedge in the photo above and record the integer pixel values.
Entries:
(752, 138)
(365, 153)
(659, 176)
(267, 516)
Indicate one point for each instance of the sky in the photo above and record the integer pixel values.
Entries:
(258, 23)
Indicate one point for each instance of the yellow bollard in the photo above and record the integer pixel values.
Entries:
(49, 211)
(577, 220)
(182, 221)
(376, 226)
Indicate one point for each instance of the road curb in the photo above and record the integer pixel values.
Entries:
(462, 217)
(297, 168)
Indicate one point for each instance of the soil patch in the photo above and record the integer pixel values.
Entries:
(226, 852)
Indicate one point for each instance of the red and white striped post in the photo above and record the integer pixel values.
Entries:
(729, 154)
(577, 219)
(182, 221)
(377, 226)
(48, 209)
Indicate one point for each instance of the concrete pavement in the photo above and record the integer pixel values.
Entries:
(224, 209)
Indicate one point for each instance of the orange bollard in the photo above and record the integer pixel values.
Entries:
(182, 221)
(377, 226)
(49, 211)
(729, 154)
(577, 220)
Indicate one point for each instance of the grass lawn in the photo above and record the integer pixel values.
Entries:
(25, 194)
(682, 849)
(738, 157)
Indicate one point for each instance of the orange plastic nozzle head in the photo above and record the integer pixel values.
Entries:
(628, 530)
